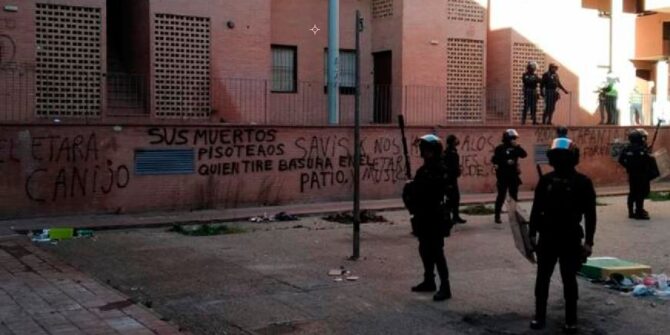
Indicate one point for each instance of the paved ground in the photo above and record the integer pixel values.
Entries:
(273, 279)
(39, 294)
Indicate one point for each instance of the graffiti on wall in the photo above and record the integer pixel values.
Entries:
(58, 167)
(592, 142)
(318, 161)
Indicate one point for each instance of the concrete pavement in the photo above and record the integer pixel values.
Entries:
(273, 279)
(151, 219)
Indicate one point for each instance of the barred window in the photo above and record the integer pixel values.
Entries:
(284, 69)
(347, 70)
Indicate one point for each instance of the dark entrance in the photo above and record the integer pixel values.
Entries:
(382, 87)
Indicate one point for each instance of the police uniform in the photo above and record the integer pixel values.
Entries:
(506, 160)
(530, 82)
(562, 198)
(636, 159)
(549, 86)
(427, 205)
(452, 163)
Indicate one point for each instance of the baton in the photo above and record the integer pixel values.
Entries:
(405, 151)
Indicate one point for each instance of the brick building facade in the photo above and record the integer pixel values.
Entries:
(256, 61)
(130, 105)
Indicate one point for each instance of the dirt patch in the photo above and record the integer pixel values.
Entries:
(659, 196)
(479, 209)
(348, 217)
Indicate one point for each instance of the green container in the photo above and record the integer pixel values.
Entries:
(61, 233)
(604, 267)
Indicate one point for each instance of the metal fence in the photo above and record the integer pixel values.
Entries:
(252, 101)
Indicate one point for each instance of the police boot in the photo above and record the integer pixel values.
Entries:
(642, 215)
(540, 318)
(444, 293)
(457, 218)
(428, 285)
(570, 326)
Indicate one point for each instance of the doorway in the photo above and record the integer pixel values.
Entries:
(383, 66)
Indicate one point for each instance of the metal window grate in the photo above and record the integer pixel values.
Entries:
(382, 8)
(69, 52)
(465, 79)
(164, 161)
(181, 65)
(465, 10)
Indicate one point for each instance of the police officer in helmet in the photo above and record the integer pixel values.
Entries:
(530, 82)
(636, 159)
(562, 198)
(506, 163)
(427, 207)
(452, 163)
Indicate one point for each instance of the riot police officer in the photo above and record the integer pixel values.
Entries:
(636, 159)
(549, 90)
(452, 163)
(426, 202)
(562, 198)
(506, 163)
(530, 82)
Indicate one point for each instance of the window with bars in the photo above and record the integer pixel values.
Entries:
(347, 71)
(284, 69)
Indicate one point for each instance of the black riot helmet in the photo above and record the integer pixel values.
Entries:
(452, 140)
(637, 136)
(563, 154)
(430, 144)
(509, 135)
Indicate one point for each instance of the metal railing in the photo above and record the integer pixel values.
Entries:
(127, 94)
(252, 101)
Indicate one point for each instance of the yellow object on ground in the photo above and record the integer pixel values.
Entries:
(603, 267)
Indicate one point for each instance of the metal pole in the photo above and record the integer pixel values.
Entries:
(357, 141)
(333, 61)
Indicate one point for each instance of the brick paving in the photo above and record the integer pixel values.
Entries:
(40, 294)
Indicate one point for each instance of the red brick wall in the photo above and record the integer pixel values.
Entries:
(90, 169)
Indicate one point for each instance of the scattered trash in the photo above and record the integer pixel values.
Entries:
(342, 274)
(642, 291)
(84, 233)
(41, 236)
(610, 303)
(206, 230)
(262, 218)
(283, 216)
(61, 233)
(366, 216)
